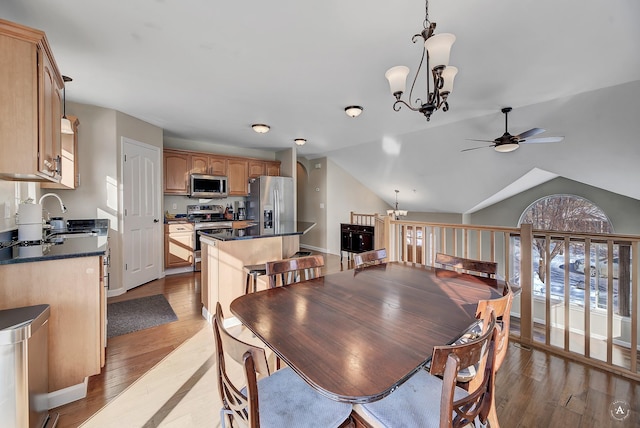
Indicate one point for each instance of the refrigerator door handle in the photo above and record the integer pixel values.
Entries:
(276, 206)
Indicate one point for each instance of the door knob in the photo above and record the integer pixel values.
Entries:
(155, 220)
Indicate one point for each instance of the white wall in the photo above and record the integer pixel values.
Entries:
(345, 194)
(99, 150)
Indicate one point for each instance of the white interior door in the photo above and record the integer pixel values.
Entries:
(142, 231)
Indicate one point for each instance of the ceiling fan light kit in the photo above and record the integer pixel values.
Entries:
(508, 143)
(437, 49)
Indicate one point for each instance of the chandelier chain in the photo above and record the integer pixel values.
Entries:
(426, 15)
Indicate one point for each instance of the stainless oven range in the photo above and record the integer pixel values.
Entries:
(205, 218)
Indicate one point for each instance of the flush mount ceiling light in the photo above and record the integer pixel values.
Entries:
(437, 48)
(261, 128)
(300, 141)
(353, 111)
(65, 124)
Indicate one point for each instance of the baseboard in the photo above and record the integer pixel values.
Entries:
(206, 315)
(67, 395)
(116, 292)
(228, 322)
(318, 249)
(174, 271)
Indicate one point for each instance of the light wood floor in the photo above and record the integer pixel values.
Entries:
(534, 389)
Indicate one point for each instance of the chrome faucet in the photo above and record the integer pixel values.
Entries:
(62, 207)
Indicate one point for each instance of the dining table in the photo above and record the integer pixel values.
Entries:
(356, 335)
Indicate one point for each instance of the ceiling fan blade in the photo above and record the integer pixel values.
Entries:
(529, 133)
(544, 140)
(475, 148)
(484, 141)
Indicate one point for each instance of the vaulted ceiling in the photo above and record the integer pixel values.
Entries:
(206, 71)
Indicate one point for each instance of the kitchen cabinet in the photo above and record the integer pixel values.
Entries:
(176, 172)
(31, 109)
(256, 168)
(259, 167)
(272, 168)
(179, 164)
(179, 245)
(208, 164)
(238, 177)
(70, 175)
(74, 290)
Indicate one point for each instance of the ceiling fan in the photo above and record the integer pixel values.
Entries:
(509, 143)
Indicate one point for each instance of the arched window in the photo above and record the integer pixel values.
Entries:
(570, 213)
(566, 213)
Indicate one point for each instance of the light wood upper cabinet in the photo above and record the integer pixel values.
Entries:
(238, 177)
(272, 168)
(31, 108)
(259, 167)
(176, 172)
(179, 164)
(207, 164)
(256, 168)
(218, 165)
(70, 172)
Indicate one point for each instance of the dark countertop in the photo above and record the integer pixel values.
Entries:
(253, 232)
(85, 246)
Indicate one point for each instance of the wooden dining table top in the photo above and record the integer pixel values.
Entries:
(356, 335)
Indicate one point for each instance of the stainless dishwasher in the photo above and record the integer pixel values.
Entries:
(24, 341)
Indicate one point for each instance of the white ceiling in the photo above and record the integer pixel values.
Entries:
(206, 70)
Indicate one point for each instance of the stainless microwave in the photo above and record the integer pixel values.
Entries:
(208, 186)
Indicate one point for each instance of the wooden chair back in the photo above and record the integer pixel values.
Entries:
(289, 271)
(447, 361)
(502, 309)
(240, 407)
(461, 264)
(369, 257)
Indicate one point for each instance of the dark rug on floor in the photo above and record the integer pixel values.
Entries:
(137, 314)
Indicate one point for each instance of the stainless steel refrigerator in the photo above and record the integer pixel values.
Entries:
(271, 202)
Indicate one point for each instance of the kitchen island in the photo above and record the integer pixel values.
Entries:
(225, 254)
(67, 274)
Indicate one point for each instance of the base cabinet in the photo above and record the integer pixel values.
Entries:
(72, 287)
(179, 244)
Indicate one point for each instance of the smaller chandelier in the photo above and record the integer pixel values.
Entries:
(437, 48)
(396, 213)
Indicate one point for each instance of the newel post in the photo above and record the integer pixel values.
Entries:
(526, 276)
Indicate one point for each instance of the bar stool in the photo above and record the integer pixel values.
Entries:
(252, 272)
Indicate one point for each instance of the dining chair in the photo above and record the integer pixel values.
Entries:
(461, 264)
(289, 271)
(501, 307)
(369, 258)
(433, 399)
(281, 399)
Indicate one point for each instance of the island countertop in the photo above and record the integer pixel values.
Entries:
(254, 232)
(85, 246)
